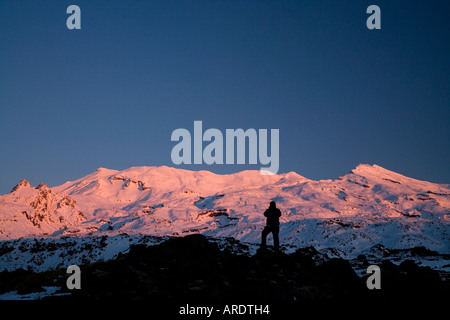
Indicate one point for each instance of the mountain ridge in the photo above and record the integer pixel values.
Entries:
(367, 206)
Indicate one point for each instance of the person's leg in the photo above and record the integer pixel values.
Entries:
(276, 240)
(264, 234)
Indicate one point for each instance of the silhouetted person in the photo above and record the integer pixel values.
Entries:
(272, 225)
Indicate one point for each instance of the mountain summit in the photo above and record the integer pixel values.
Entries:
(367, 206)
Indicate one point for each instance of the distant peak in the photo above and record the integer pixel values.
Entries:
(370, 168)
(105, 170)
(21, 184)
(42, 186)
(364, 167)
(376, 172)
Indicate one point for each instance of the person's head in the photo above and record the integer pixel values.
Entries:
(273, 204)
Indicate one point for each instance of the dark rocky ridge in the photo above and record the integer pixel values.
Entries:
(194, 270)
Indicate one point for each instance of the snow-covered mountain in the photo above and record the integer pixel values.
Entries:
(366, 207)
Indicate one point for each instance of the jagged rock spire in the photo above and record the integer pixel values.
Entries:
(23, 183)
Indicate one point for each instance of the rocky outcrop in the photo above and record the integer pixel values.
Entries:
(21, 184)
(36, 210)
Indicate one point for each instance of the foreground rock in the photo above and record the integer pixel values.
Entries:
(193, 269)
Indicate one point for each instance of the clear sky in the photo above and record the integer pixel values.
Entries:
(110, 95)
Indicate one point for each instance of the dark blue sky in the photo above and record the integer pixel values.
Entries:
(110, 94)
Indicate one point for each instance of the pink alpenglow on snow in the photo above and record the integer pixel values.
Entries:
(367, 206)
